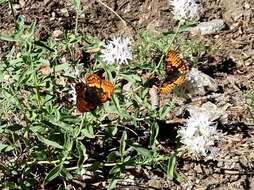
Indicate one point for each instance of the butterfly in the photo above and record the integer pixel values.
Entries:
(94, 92)
(176, 70)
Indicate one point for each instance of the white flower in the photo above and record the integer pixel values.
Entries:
(200, 135)
(186, 9)
(117, 50)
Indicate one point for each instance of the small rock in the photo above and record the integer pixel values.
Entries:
(57, 33)
(246, 5)
(198, 169)
(53, 16)
(65, 12)
(210, 109)
(17, 6)
(199, 83)
(22, 3)
(209, 27)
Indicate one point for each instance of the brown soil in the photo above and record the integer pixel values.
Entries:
(232, 66)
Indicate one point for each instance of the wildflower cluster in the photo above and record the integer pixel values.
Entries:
(186, 9)
(117, 50)
(200, 135)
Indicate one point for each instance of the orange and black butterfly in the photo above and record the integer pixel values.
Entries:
(176, 70)
(94, 92)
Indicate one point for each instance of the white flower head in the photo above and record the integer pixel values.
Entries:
(186, 9)
(200, 135)
(117, 50)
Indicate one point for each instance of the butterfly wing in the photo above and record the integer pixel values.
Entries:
(176, 70)
(108, 90)
(93, 79)
(82, 104)
(105, 86)
(174, 61)
(167, 87)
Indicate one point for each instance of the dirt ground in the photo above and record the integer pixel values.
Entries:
(232, 66)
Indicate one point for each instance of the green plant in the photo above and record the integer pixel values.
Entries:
(42, 135)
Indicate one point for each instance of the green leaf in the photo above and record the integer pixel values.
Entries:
(68, 143)
(165, 110)
(67, 175)
(123, 145)
(138, 99)
(171, 166)
(119, 111)
(3, 1)
(20, 25)
(43, 45)
(32, 29)
(112, 183)
(88, 131)
(113, 156)
(142, 151)
(131, 77)
(77, 6)
(49, 142)
(177, 176)
(61, 67)
(82, 155)
(53, 173)
(116, 169)
(53, 122)
(10, 38)
(154, 133)
(5, 148)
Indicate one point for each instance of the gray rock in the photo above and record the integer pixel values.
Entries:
(198, 83)
(209, 27)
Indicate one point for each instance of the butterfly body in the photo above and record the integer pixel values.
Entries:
(94, 92)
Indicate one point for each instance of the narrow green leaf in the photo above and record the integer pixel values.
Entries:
(31, 29)
(138, 99)
(143, 151)
(53, 173)
(77, 6)
(177, 176)
(43, 45)
(112, 183)
(123, 145)
(49, 142)
(51, 122)
(5, 148)
(20, 25)
(131, 77)
(61, 67)
(171, 166)
(116, 169)
(165, 110)
(3, 1)
(10, 38)
(154, 133)
(66, 174)
(82, 155)
(88, 131)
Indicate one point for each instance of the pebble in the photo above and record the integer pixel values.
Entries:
(57, 33)
(209, 27)
(65, 12)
